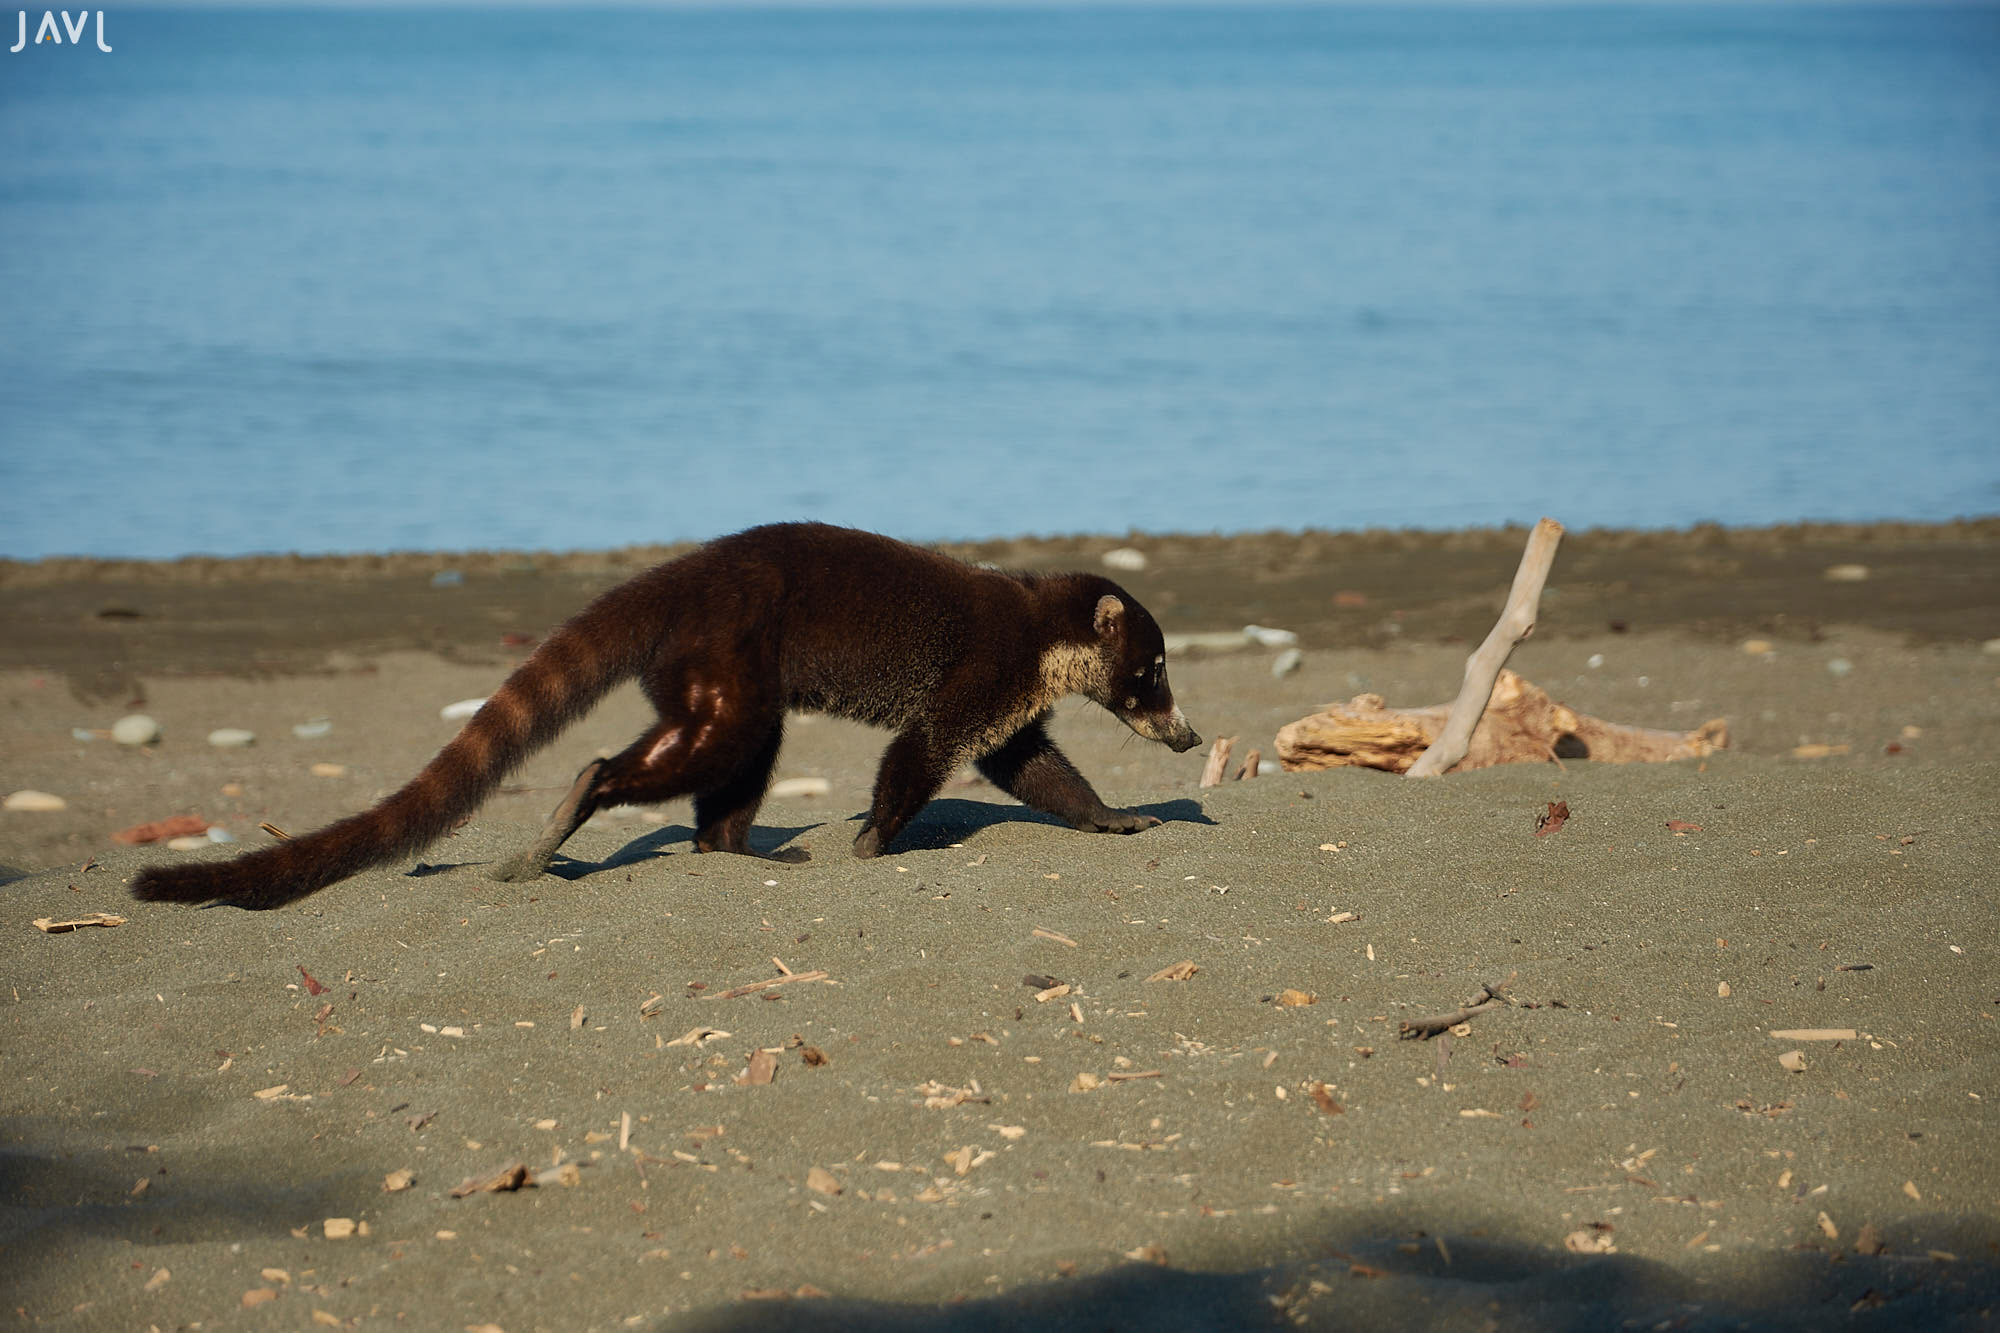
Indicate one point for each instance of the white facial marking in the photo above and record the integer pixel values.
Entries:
(1161, 660)
(1131, 702)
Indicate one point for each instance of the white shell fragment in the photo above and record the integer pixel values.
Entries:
(461, 710)
(231, 738)
(217, 833)
(1125, 558)
(1269, 638)
(801, 787)
(1287, 662)
(33, 800)
(189, 843)
(313, 730)
(135, 729)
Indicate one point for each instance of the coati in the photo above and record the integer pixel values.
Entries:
(960, 662)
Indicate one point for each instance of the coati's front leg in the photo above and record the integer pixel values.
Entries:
(1030, 768)
(913, 768)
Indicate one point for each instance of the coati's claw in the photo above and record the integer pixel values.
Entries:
(1123, 821)
(869, 845)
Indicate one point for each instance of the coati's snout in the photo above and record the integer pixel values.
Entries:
(1169, 729)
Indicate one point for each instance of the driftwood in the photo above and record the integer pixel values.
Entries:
(1482, 669)
(1521, 724)
(1217, 767)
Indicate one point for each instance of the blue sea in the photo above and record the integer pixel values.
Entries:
(364, 279)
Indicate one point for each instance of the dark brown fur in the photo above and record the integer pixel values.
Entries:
(961, 663)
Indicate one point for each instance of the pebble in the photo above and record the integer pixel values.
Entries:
(801, 787)
(1126, 558)
(1269, 638)
(313, 730)
(1596, 660)
(461, 710)
(329, 770)
(447, 578)
(1757, 647)
(33, 800)
(216, 833)
(1847, 573)
(1839, 666)
(231, 738)
(82, 734)
(1287, 662)
(188, 844)
(135, 729)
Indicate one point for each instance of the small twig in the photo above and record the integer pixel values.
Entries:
(734, 991)
(276, 832)
(1423, 1029)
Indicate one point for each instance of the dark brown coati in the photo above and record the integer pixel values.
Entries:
(960, 662)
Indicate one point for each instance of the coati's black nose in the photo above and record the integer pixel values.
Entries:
(1185, 743)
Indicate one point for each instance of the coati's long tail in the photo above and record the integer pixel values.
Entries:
(571, 671)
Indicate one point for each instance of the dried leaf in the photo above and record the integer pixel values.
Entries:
(1322, 1095)
(1553, 821)
(174, 826)
(312, 983)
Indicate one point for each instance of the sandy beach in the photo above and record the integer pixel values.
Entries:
(992, 1110)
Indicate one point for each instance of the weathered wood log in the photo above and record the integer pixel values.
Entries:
(1520, 724)
(1217, 767)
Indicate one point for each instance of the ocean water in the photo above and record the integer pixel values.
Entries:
(367, 279)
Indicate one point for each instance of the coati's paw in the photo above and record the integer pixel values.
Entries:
(869, 845)
(517, 869)
(1121, 821)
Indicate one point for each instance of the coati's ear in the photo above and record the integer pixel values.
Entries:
(1109, 620)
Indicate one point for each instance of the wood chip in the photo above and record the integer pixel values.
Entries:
(338, 1228)
(1813, 1034)
(763, 1067)
(1322, 1096)
(1041, 934)
(1794, 1062)
(1180, 971)
(696, 1036)
(49, 927)
(1827, 1227)
(513, 1176)
(821, 1181)
(257, 1296)
(1135, 1074)
(1293, 999)
(398, 1180)
(160, 1278)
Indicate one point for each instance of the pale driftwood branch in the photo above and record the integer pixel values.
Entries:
(1250, 763)
(1218, 761)
(1517, 622)
(1521, 724)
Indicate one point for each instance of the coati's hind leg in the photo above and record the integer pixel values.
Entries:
(565, 819)
(723, 815)
(1034, 772)
(681, 757)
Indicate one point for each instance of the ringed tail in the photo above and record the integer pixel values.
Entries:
(575, 667)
